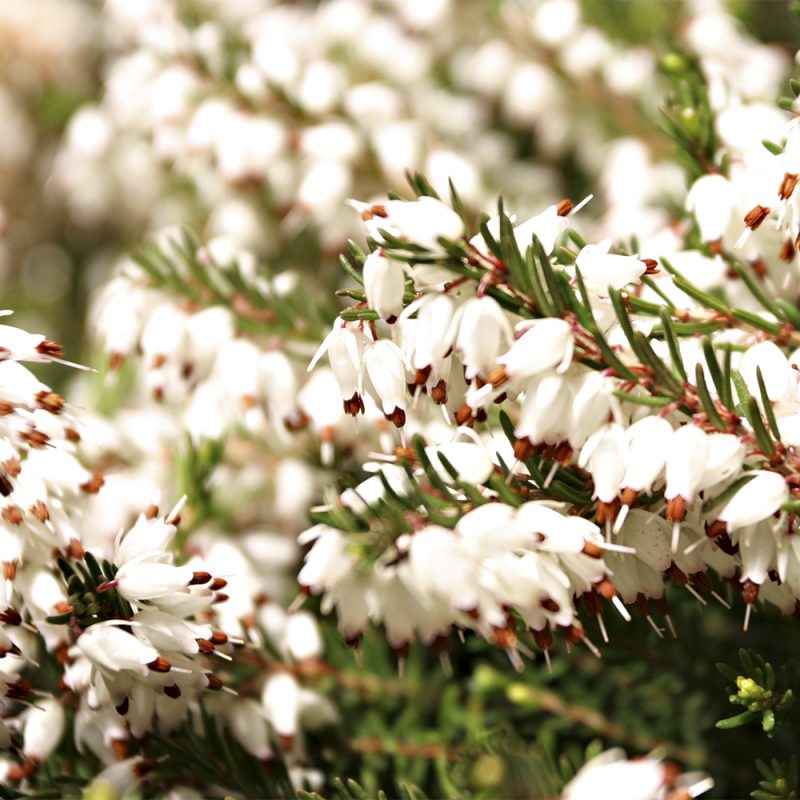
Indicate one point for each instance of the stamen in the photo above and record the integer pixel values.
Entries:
(515, 658)
(550, 475)
(620, 520)
(602, 625)
(620, 606)
(699, 597)
(592, 647)
(720, 600)
(655, 627)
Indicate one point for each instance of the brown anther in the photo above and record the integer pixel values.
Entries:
(701, 582)
(750, 591)
(726, 545)
(248, 401)
(151, 512)
(787, 185)
(641, 604)
(397, 417)
(214, 683)
(10, 616)
(72, 435)
(421, 376)
(160, 664)
(48, 347)
(464, 415)
(63, 607)
(94, 484)
(405, 454)
(543, 638)
(607, 512)
(676, 509)
(439, 392)
(592, 604)
(400, 651)
(297, 421)
(661, 604)
(550, 605)
(158, 393)
(759, 266)
(35, 438)
(115, 361)
(158, 361)
(354, 406)
(5, 408)
(120, 748)
(629, 496)
(572, 633)
(20, 690)
(143, 766)
(592, 549)
(505, 637)
(787, 251)
(220, 597)
(21, 772)
(651, 266)
(74, 549)
(523, 449)
(10, 570)
(716, 528)
(12, 467)
(755, 216)
(50, 401)
(218, 637)
(199, 578)
(376, 210)
(564, 207)
(677, 574)
(259, 599)
(606, 589)
(173, 691)
(12, 514)
(497, 377)
(39, 510)
(205, 647)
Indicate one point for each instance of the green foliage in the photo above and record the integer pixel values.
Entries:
(351, 790)
(259, 308)
(766, 695)
(687, 116)
(780, 781)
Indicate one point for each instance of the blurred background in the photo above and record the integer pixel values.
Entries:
(255, 120)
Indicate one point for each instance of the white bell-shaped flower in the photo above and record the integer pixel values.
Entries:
(484, 331)
(545, 344)
(711, 199)
(757, 500)
(384, 281)
(601, 269)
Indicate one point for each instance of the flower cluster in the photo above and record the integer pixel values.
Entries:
(508, 318)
